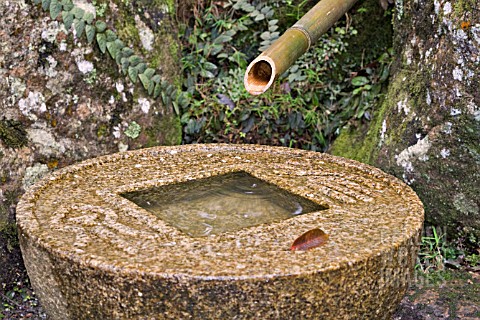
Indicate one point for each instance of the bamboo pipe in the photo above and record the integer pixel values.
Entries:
(274, 61)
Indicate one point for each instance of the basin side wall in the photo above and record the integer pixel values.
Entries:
(42, 273)
(369, 289)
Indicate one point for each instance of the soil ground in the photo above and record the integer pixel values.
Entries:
(442, 295)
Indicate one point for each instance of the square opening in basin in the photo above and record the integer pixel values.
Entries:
(222, 203)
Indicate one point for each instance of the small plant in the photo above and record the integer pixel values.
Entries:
(473, 260)
(91, 77)
(434, 250)
(18, 298)
(436, 254)
(100, 8)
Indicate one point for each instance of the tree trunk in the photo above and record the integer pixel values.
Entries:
(427, 130)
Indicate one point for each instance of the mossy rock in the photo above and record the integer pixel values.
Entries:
(427, 129)
(13, 134)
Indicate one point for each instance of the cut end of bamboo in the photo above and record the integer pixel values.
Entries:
(260, 75)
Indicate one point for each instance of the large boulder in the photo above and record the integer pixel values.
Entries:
(427, 130)
(62, 100)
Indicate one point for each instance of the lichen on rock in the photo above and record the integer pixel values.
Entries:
(33, 174)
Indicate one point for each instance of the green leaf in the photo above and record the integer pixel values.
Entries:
(165, 98)
(259, 17)
(127, 52)
(173, 95)
(176, 108)
(67, 5)
(183, 100)
(111, 36)
(206, 74)
(247, 7)
(124, 63)
(266, 9)
(357, 91)
(359, 81)
(156, 78)
(141, 67)
(216, 49)
(384, 74)
(230, 32)
(145, 80)
(112, 49)
(102, 42)
(272, 28)
(170, 89)
(134, 60)
(265, 35)
(88, 17)
(45, 5)
(222, 38)
(119, 57)
(209, 66)
(133, 74)
(101, 26)
(37, 1)
(67, 18)
(157, 90)
(242, 27)
(149, 72)
(151, 86)
(78, 12)
(90, 32)
(120, 44)
(244, 115)
(184, 118)
(79, 26)
(164, 84)
(248, 22)
(55, 9)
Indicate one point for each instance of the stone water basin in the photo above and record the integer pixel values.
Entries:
(94, 250)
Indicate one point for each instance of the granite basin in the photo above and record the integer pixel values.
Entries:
(91, 253)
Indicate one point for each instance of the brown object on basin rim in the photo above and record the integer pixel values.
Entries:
(92, 254)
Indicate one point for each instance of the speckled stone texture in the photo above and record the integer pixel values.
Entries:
(92, 254)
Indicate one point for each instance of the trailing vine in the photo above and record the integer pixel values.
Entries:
(130, 64)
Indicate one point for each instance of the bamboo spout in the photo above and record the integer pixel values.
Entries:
(274, 61)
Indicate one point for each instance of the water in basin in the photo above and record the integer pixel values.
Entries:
(220, 204)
